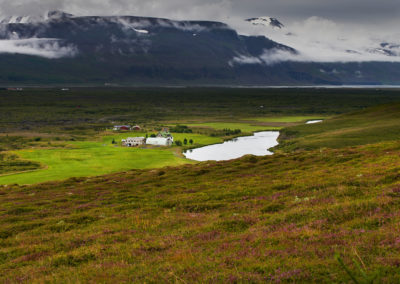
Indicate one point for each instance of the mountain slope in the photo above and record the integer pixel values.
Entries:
(62, 48)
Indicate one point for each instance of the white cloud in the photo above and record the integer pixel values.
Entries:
(48, 48)
(317, 39)
(322, 40)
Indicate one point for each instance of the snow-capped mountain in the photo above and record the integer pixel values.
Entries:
(61, 48)
(266, 21)
(29, 19)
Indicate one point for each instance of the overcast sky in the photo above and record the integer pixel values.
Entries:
(374, 12)
(321, 30)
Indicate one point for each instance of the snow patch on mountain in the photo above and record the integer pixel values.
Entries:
(29, 19)
(266, 21)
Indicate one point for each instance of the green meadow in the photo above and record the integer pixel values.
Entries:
(88, 159)
(80, 159)
(244, 127)
(372, 125)
(287, 119)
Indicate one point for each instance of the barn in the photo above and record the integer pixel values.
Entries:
(133, 141)
(160, 141)
(122, 127)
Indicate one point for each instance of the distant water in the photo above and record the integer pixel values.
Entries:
(257, 145)
(314, 121)
(322, 87)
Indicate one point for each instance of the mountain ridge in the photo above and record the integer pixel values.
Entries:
(146, 50)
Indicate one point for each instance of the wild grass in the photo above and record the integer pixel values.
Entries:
(244, 127)
(380, 123)
(257, 219)
(287, 119)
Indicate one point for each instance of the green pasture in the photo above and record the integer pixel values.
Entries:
(244, 127)
(82, 159)
(199, 140)
(89, 159)
(286, 119)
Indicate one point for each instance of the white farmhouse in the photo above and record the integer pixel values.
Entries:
(133, 141)
(160, 141)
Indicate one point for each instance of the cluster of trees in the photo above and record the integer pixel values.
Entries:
(181, 129)
(185, 142)
(227, 132)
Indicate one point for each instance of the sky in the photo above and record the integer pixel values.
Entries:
(369, 12)
(322, 30)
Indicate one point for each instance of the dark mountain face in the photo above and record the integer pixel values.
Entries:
(61, 48)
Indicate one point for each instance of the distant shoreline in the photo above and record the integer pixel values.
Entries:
(116, 86)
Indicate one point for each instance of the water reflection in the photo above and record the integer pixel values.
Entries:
(257, 145)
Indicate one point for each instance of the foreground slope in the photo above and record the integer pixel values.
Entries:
(280, 218)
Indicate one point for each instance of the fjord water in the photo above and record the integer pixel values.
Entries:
(257, 145)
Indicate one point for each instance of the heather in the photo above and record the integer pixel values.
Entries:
(281, 218)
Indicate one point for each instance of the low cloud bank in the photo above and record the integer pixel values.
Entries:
(322, 40)
(48, 48)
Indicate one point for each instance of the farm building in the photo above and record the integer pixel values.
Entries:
(136, 128)
(164, 133)
(160, 141)
(122, 127)
(133, 141)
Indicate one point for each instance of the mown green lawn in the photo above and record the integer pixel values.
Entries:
(97, 158)
(89, 159)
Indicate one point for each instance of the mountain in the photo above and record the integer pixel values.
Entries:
(60, 48)
(266, 21)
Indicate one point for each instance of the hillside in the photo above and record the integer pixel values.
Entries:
(368, 126)
(293, 217)
(275, 219)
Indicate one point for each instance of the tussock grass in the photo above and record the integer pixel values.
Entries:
(369, 126)
(255, 219)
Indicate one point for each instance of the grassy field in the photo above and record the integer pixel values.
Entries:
(89, 159)
(199, 140)
(287, 119)
(266, 219)
(244, 127)
(80, 159)
(325, 208)
(381, 123)
(86, 111)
